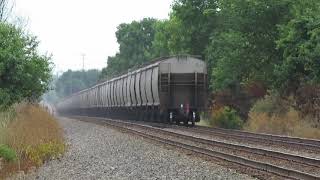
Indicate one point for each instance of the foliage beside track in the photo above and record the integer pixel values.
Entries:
(224, 117)
(24, 74)
(272, 115)
(7, 153)
(29, 137)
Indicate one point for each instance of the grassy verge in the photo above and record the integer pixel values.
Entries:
(289, 123)
(29, 137)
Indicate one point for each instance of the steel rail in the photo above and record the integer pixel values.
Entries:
(287, 173)
(247, 149)
(258, 137)
(280, 171)
(263, 135)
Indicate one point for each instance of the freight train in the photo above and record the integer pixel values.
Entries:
(170, 90)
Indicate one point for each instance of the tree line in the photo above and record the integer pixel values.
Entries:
(252, 47)
(74, 81)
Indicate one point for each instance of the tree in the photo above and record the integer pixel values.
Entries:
(192, 23)
(135, 41)
(5, 10)
(244, 49)
(24, 74)
(74, 81)
(300, 43)
(161, 45)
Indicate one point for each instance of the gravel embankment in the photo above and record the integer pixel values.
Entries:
(98, 152)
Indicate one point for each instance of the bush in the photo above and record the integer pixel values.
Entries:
(43, 152)
(226, 118)
(271, 104)
(7, 153)
(287, 123)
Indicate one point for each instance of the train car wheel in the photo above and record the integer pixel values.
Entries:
(185, 122)
(193, 121)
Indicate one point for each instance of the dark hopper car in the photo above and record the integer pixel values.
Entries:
(172, 89)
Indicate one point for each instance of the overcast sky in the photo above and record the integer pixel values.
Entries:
(69, 28)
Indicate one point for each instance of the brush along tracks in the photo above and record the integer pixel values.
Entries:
(280, 164)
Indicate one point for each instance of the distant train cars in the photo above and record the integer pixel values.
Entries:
(171, 89)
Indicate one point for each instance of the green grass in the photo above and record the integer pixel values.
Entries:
(7, 153)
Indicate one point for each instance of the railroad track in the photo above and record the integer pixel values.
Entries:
(301, 143)
(311, 146)
(277, 163)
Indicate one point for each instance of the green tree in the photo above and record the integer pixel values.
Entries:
(135, 41)
(300, 43)
(5, 10)
(74, 81)
(161, 45)
(190, 26)
(24, 74)
(244, 48)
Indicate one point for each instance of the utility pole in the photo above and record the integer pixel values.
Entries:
(83, 74)
(83, 56)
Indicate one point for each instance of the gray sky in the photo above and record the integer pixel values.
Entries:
(69, 28)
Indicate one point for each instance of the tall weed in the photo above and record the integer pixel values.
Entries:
(265, 117)
(5, 118)
(34, 135)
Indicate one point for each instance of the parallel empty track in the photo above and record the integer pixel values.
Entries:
(277, 163)
(301, 143)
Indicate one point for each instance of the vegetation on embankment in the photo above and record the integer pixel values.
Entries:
(29, 136)
(271, 115)
(25, 74)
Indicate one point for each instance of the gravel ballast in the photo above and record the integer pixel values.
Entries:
(100, 152)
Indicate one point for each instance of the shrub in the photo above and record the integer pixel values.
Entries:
(7, 153)
(289, 123)
(42, 152)
(226, 118)
(271, 104)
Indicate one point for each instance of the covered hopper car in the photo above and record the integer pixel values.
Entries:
(171, 89)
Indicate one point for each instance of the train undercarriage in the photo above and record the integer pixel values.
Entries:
(148, 114)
